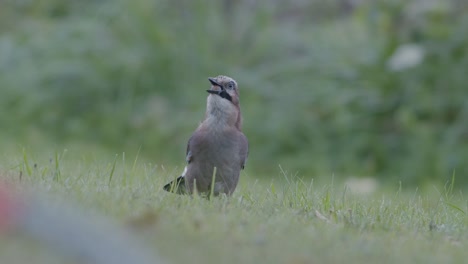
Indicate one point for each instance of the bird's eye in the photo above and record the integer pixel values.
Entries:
(230, 85)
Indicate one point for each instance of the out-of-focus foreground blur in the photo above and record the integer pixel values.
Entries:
(340, 87)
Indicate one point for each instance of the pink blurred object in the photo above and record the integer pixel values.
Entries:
(74, 233)
(8, 208)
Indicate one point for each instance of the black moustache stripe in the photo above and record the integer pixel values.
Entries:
(225, 95)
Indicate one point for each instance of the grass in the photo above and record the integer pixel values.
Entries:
(281, 220)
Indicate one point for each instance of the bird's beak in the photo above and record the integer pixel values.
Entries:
(213, 92)
(220, 92)
(215, 83)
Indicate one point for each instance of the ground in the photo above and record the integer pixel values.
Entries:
(281, 219)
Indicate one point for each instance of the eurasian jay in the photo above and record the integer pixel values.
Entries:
(217, 145)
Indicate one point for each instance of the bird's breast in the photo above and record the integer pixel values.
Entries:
(218, 147)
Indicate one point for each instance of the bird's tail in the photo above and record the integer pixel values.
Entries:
(176, 186)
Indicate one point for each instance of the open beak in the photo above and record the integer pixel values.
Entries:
(221, 92)
(215, 83)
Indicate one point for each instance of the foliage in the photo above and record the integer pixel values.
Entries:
(318, 95)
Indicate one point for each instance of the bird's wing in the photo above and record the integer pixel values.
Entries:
(196, 137)
(244, 149)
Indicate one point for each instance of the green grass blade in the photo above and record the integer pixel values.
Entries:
(113, 169)
(213, 179)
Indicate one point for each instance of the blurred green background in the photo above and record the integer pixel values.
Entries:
(339, 87)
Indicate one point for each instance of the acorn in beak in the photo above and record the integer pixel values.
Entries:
(221, 92)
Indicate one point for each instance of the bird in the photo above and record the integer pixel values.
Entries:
(217, 147)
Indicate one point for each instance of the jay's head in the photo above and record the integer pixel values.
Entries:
(223, 101)
(225, 88)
